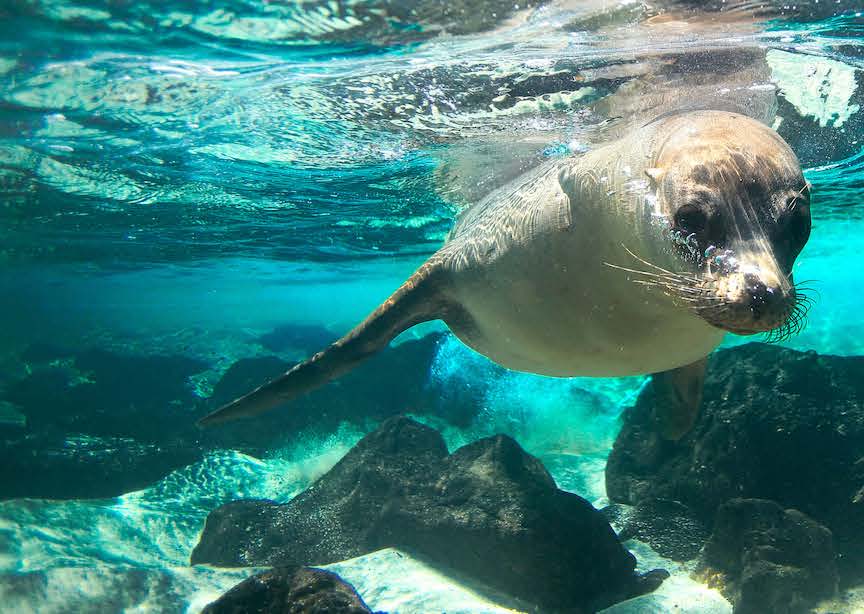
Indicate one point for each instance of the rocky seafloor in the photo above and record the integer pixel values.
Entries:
(757, 509)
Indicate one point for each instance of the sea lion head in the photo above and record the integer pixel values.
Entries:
(737, 212)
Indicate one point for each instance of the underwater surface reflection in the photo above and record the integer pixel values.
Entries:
(195, 196)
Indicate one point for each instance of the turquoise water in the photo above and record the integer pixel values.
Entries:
(177, 180)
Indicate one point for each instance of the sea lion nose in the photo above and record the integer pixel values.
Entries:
(761, 296)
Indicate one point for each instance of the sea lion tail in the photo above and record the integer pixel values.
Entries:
(412, 303)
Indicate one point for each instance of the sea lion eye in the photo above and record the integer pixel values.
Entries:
(691, 219)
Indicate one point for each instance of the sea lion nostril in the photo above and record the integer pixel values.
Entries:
(755, 286)
(760, 296)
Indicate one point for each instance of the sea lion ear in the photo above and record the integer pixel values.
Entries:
(677, 398)
(655, 174)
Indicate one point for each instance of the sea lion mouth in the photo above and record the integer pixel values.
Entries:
(733, 299)
(750, 314)
(751, 295)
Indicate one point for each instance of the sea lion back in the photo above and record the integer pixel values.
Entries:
(510, 217)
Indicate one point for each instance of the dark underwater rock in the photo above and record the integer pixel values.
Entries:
(75, 467)
(770, 559)
(668, 527)
(489, 512)
(290, 590)
(775, 424)
(816, 144)
(245, 375)
(309, 338)
(322, 525)
(97, 423)
(107, 394)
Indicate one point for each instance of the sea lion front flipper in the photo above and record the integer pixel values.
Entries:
(414, 302)
(677, 397)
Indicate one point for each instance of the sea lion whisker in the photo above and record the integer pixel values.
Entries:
(805, 300)
(803, 290)
(629, 270)
(654, 266)
(715, 306)
(667, 289)
(698, 293)
(680, 291)
(687, 299)
(648, 282)
(795, 322)
(670, 276)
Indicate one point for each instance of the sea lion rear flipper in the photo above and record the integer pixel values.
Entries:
(412, 303)
(677, 397)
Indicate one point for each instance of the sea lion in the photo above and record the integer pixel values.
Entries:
(633, 258)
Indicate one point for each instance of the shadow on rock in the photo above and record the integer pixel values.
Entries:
(489, 513)
(668, 527)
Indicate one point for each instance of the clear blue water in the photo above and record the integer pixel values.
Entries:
(179, 179)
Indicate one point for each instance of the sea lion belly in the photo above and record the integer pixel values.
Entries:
(553, 307)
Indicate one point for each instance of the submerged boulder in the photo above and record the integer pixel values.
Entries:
(308, 338)
(489, 512)
(82, 467)
(108, 394)
(97, 423)
(775, 424)
(767, 559)
(290, 590)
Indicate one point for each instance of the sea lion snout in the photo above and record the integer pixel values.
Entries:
(749, 300)
(763, 299)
